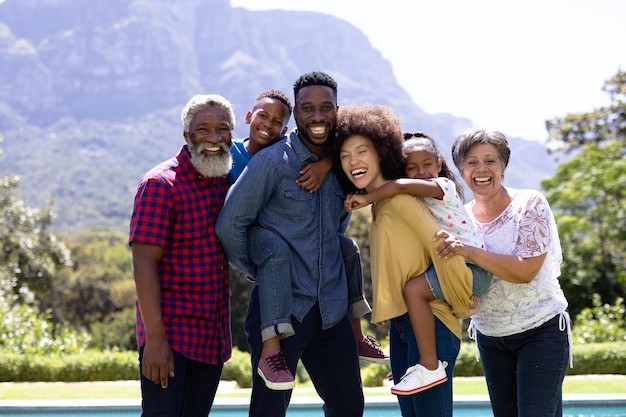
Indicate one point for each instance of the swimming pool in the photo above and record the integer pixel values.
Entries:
(580, 406)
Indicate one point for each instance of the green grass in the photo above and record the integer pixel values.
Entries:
(580, 384)
(575, 384)
(68, 391)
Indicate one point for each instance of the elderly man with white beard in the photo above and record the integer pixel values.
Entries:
(181, 273)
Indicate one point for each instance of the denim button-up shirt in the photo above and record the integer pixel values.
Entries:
(266, 193)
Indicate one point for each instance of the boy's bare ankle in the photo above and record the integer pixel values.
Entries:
(270, 347)
(269, 352)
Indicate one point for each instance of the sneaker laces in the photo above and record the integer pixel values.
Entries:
(409, 370)
(277, 362)
(371, 340)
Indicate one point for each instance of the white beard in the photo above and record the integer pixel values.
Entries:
(211, 166)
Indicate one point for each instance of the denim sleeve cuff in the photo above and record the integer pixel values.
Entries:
(279, 329)
(360, 308)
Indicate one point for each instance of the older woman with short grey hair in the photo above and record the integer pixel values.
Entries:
(522, 325)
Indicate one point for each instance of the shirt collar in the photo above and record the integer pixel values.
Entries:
(300, 148)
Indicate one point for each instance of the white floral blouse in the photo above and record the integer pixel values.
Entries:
(525, 228)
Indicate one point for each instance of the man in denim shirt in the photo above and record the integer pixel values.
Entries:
(267, 194)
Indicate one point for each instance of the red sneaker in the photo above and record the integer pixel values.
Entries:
(275, 372)
(370, 351)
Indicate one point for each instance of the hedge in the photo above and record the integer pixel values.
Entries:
(594, 358)
(88, 366)
(96, 365)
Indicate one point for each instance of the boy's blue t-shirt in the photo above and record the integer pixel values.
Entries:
(241, 157)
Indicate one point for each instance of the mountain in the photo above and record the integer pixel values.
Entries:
(91, 91)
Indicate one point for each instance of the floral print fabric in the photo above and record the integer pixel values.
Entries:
(526, 228)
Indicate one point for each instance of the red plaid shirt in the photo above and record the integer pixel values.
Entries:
(176, 208)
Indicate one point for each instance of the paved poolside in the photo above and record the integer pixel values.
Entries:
(301, 396)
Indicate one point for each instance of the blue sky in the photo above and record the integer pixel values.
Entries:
(506, 65)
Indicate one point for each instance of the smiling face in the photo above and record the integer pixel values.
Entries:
(268, 122)
(361, 163)
(315, 113)
(209, 139)
(422, 165)
(482, 169)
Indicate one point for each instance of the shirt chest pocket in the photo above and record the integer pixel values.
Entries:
(298, 204)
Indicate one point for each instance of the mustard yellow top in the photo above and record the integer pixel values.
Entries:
(401, 247)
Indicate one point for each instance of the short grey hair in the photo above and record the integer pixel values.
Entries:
(478, 136)
(203, 101)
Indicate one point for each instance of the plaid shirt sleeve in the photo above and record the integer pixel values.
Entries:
(177, 209)
(152, 212)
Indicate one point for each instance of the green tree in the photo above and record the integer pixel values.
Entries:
(30, 255)
(599, 126)
(98, 292)
(30, 258)
(587, 194)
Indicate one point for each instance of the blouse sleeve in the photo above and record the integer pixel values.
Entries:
(536, 227)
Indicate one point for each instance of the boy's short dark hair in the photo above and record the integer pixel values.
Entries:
(314, 78)
(276, 95)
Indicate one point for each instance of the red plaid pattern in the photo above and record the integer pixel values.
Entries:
(176, 208)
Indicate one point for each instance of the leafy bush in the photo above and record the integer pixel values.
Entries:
(95, 365)
(238, 368)
(592, 358)
(373, 375)
(116, 331)
(87, 366)
(599, 358)
(601, 323)
(92, 365)
(466, 362)
(23, 330)
(97, 292)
